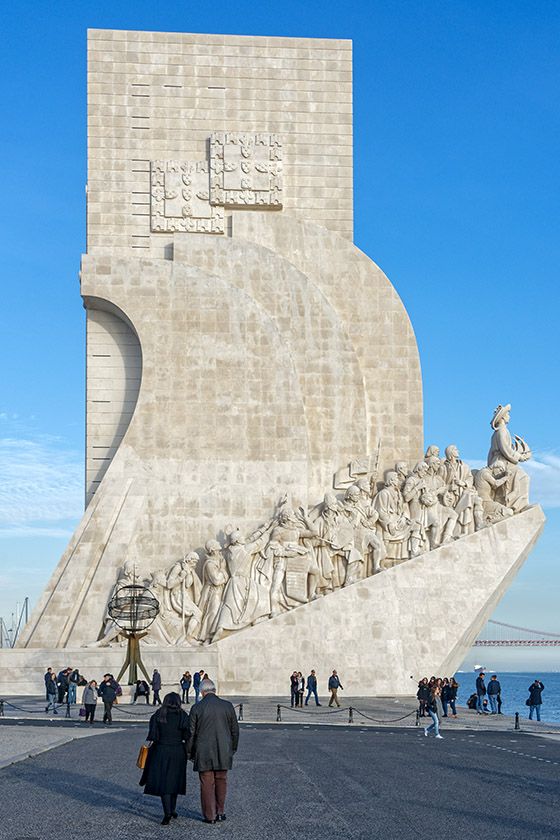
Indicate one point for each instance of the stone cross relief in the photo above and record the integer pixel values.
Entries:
(243, 170)
(300, 555)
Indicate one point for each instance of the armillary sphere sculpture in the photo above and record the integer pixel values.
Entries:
(133, 608)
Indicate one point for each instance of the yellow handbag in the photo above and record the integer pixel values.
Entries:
(142, 757)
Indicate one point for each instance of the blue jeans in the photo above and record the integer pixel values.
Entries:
(537, 709)
(493, 700)
(444, 704)
(311, 691)
(52, 700)
(435, 723)
(480, 703)
(294, 697)
(196, 693)
(71, 692)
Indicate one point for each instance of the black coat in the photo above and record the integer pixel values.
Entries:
(480, 687)
(166, 766)
(107, 691)
(423, 692)
(536, 693)
(213, 734)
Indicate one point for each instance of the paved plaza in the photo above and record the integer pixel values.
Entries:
(299, 780)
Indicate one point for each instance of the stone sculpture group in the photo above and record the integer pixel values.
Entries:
(299, 556)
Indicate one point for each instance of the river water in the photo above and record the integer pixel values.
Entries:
(515, 690)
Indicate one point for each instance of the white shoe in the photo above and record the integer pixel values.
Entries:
(440, 737)
(426, 732)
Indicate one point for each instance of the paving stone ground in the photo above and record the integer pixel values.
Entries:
(299, 781)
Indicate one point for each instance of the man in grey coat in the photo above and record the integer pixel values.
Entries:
(213, 739)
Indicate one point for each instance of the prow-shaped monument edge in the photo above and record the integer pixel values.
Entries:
(385, 633)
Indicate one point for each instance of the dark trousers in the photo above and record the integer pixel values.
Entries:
(169, 802)
(137, 695)
(213, 789)
(90, 711)
(422, 708)
(107, 716)
(185, 695)
(294, 697)
(311, 691)
(156, 696)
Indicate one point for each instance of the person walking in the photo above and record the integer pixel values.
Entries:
(334, 685)
(89, 700)
(108, 693)
(142, 689)
(73, 680)
(62, 684)
(156, 686)
(186, 682)
(312, 688)
(493, 690)
(196, 684)
(480, 693)
(212, 743)
(423, 695)
(293, 689)
(435, 710)
(534, 701)
(165, 772)
(52, 693)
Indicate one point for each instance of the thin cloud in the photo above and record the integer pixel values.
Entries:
(41, 486)
(544, 472)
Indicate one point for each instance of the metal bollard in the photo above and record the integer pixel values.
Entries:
(67, 709)
(278, 713)
(240, 715)
(350, 715)
(1, 708)
(417, 718)
(516, 721)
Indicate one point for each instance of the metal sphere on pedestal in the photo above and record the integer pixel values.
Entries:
(133, 608)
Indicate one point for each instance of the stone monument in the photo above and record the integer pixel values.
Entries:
(254, 398)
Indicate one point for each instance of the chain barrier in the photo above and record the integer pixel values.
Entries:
(351, 710)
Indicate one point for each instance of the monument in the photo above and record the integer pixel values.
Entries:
(254, 444)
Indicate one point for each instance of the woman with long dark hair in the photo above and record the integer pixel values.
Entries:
(423, 695)
(166, 767)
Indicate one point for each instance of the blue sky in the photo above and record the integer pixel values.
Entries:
(456, 172)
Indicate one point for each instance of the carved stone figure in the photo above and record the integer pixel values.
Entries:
(245, 600)
(512, 453)
(184, 587)
(447, 516)
(363, 517)
(338, 556)
(295, 574)
(167, 628)
(395, 526)
(488, 481)
(128, 576)
(425, 536)
(460, 484)
(413, 488)
(214, 578)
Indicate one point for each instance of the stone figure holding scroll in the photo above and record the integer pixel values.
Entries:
(512, 453)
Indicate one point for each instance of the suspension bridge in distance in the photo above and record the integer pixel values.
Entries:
(498, 634)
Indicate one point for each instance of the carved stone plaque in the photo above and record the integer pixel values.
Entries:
(180, 193)
(246, 170)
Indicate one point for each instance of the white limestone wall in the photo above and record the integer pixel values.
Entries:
(113, 374)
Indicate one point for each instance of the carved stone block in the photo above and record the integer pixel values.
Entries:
(246, 170)
(180, 193)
